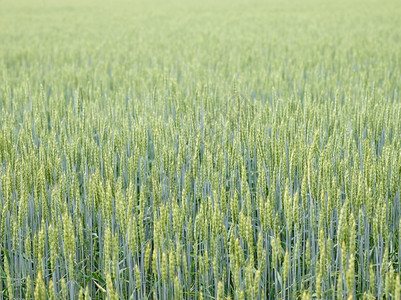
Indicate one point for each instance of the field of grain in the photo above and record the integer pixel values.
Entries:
(240, 149)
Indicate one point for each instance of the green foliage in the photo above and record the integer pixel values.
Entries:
(200, 150)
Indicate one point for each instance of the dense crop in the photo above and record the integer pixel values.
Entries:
(200, 150)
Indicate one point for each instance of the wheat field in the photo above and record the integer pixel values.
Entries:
(200, 149)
